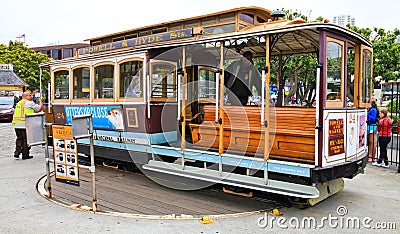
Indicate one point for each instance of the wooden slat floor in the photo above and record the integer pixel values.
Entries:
(134, 193)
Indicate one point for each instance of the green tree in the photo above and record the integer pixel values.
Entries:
(299, 71)
(25, 62)
(386, 51)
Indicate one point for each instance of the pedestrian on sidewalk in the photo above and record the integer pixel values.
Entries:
(372, 121)
(23, 107)
(385, 132)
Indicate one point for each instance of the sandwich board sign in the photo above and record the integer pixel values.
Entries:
(65, 155)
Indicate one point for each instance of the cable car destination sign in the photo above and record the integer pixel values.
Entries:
(155, 38)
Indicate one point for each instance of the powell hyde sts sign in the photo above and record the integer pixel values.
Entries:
(167, 36)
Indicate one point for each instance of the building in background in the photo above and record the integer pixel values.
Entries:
(343, 20)
(58, 52)
(10, 83)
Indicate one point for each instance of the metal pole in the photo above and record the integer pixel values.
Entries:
(183, 107)
(148, 83)
(178, 96)
(92, 165)
(266, 76)
(218, 75)
(47, 157)
(49, 97)
(263, 95)
(40, 80)
(317, 110)
(221, 108)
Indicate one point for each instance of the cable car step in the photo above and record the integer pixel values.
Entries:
(249, 182)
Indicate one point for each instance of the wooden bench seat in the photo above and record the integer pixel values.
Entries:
(291, 132)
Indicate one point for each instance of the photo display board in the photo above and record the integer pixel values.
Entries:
(65, 155)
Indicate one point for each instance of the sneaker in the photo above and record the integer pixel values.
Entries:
(16, 156)
(385, 166)
(376, 164)
(29, 157)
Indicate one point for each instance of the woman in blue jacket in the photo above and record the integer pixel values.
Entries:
(372, 119)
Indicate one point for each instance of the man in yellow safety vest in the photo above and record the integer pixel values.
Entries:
(23, 107)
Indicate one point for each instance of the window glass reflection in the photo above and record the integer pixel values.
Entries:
(61, 88)
(248, 18)
(104, 81)
(81, 82)
(207, 84)
(366, 75)
(163, 82)
(130, 79)
(334, 72)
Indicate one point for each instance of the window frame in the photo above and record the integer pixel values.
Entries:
(64, 51)
(53, 85)
(361, 70)
(80, 100)
(210, 69)
(131, 99)
(163, 99)
(329, 103)
(93, 83)
(247, 13)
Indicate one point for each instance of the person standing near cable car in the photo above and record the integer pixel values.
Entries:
(23, 107)
(372, 121)
(385, 132)
(240, 77)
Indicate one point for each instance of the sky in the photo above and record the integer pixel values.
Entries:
(46, 22)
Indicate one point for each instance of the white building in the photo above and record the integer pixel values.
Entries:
(343, 20)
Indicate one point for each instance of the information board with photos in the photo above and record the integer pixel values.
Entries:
(65, 155)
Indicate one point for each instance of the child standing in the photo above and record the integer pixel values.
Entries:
(385, 133)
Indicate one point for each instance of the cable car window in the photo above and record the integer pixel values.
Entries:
(246, 17)
(159, 30)
(366, 76)
(130, 36)
(227, 17)
(130, 79)
(208, 20)
(163, 81)
(104, 81)
(191, 24)
(61, 89)
(174, 27)
(145, 33)
(206, 84)
(260, 20)
(334, 86)
(227, 28)
(81, 82)
(350, 78)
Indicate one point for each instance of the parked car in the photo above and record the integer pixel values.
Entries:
(7, 107)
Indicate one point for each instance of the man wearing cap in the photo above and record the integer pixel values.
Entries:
(240, 77)
(23, 107)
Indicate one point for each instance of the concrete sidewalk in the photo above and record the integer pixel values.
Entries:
(375, 194)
